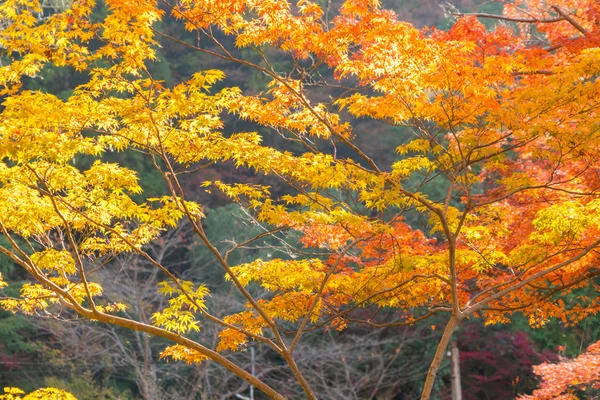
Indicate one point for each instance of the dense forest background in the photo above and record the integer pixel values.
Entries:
(97, 362)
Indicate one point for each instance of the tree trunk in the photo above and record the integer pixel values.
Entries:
(439, 357)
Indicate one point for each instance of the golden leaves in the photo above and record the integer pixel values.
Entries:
(11, 393)
(178, 352)
(231, 339)
(36, 297)
(54, 260)
(565, 221)
(185, 299)
(284, 275)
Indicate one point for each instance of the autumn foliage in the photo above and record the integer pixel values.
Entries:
(563, 380)
(40, 394)
(504, 120)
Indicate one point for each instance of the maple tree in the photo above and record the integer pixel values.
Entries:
(563, 380)
(505, 120)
